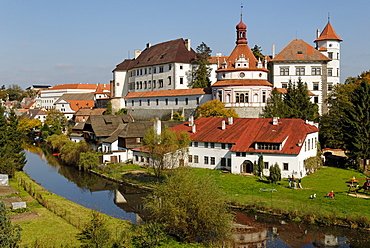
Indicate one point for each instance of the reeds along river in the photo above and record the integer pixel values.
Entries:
(125, 202)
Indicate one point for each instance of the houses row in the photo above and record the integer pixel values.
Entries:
(230, 144)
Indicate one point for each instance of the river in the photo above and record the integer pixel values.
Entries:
(124, 202)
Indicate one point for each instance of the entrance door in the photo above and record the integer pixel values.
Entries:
(246, 167)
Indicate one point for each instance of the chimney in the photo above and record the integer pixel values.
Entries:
(193, 129)
(273, 50)
(317, 33)
(191, 121)
(148, 45)
(230, 120)
(157, 126)
(137, 53)
(187, 44)
(223, 126)
(300, 142)
(275, 121)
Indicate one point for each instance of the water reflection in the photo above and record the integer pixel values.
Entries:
(120, 201)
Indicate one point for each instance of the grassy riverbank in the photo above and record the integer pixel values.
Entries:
(250, 192)
(58, 220)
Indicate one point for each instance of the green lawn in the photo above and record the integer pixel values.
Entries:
(278, 198)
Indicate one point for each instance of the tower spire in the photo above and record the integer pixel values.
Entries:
(241, 29)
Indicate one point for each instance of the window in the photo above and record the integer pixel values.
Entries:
(169, 67)
(145, 71)
(197, 100)
(132, 102)
(138, 140)
(264, 96)
(212, 145)
(139, 102)
(154, 84)
(190, 159)
(166, 101)
(330, 55)
(285, 166)
(223, 146)
(154, 69)
(266, 165)
(284, 71)
(315, 86)
(169, 80)
(186, 101)
(141, 84)
(213, 160)
(180, 67)
(330, 87)
(284, 85)
(330, 72)
(160, 69)
(315, 71)
(206, 159)
(229, 162)
(299, 71)
(316, 99)
(148, 102)
(149, 84)
(223, 162)
(196, 159)
(157, 101)
(181, 80)
(205, 144)
(150, 70)
(145, 85)
(176, 101)
(268, 146)
(195, 143)
(160, 82)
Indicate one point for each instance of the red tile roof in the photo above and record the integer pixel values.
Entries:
(180, 92)
(245, 132)
(74, 86)
(299, 50)
(242, 82)
(242, 49)
(328, 34)
(103, 89)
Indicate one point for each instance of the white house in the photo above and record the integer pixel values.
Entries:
(318, 67)
(235, 144)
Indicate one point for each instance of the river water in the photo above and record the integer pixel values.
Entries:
(124, 202)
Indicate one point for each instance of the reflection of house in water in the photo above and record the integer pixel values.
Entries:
(131, 200)
(249, 236)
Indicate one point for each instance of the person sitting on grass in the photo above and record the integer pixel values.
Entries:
(366, 185)
(330, 195)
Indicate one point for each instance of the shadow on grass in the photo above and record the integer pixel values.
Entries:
(140, 177)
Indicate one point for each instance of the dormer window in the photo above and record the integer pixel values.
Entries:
(268, 146)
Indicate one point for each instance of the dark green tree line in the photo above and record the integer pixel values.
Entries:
(201, 71)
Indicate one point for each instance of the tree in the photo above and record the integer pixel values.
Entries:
(15, 92)
(122, 111)
(257, 52)
(70, 152)
(56, 121)
(275, 173)
(88, 160)
(260, 166)
(356, 122)
(95, 233)
(109, 110)
(191, 207)
(10, 235)
(26, 125)
(295, 103)
(215, 108)
(166, 150)
(201, 70)
(177, 117)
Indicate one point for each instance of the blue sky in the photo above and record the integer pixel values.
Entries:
(78, 41)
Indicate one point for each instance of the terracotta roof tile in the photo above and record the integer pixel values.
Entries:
(74, 86)
(179, 92)
(245, 132)
(328, 34)
(299, 50)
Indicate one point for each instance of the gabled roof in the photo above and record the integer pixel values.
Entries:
(162, 53)
(78, 100)
(161, 93)
(299, 50)
(102, 89)
(89, 111)
(242, 82)
(245, 132)
(328, 34)
(105, 125)
(31, 113)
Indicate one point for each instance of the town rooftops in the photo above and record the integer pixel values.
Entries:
(78, 100)
(244, 133)
(164, 93)
(299, 50)
(75, 86)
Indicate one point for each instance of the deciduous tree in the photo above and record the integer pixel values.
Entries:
(215, 108)
(56, 121)
(191, 207)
